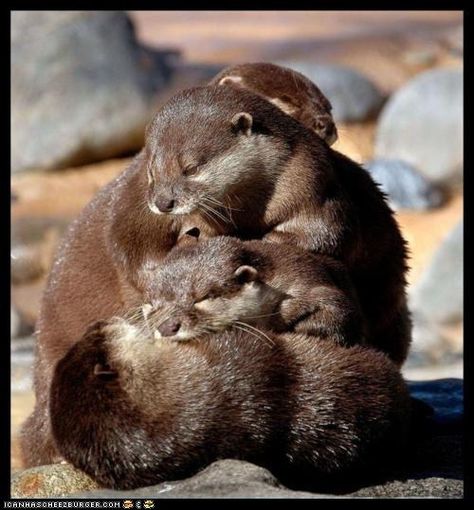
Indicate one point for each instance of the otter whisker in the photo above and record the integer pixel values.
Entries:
(257, 330)
(215, 212)
(207, 214)
(221, 204)
(235, 326)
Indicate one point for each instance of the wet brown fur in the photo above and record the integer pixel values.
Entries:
(290, 90)
(280, 182)
(131, 412)
(102, 268)
(298, 291)
(289, 186)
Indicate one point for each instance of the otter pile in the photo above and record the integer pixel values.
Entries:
(238, 291)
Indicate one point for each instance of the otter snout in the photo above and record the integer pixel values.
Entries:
(326, 129)
(170, 327)
(164, 203)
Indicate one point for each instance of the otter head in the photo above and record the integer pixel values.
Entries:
(98, 356)
(287, 89)
(209, 286)
(100, 404)
(203, 148)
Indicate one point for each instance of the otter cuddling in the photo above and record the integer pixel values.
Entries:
(309, 259)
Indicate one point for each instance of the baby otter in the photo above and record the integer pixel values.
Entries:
(132, 411)
(270, 178)
(291, 91)
(224, 282)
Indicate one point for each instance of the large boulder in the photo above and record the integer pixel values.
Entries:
(422, 124)
(353, 97)
(82, 88)
(405, 186)
(438, 296)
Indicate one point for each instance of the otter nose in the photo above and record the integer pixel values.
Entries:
(164, 204)
(169, 328)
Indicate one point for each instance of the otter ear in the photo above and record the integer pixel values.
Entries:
(242, 123)
(190, 237)
(245, 274)
(104, 372)
(231, 80)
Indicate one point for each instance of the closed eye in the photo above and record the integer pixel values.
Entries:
(205, 298)
(191, 170)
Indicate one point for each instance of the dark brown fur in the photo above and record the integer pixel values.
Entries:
(131, 412)
(102, 268)
(285, 186)
(224, 282)
(291, 91)
(278, 181)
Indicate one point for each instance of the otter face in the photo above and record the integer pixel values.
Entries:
(206, 288)
(111, 355)
(198, 155)
(290, 91)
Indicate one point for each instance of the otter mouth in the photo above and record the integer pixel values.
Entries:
(184, 336)
(176, 211)
(168, 329)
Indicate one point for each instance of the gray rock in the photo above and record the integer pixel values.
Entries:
(21, 363)
(353, 96)
(222, 479)
(82, 88)
(430, 347)
(19, 326)
(430, 487)
(56, 480)
(14, 322)
(422, 124)
(186, 75)
(438, 296)
(405, 186)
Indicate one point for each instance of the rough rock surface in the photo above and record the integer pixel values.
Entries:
(405, 186)
(438, 296)
(422, 124)
(82, 88)
(434, 468)
(56, 480)
(353, 96)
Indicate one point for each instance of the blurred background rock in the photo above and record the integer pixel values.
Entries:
(84, 85)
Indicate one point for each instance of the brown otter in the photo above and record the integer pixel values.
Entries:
(132, 411)
(290, 90)
(230, 162)
(224, 282)
(102, 268)
(269, 177)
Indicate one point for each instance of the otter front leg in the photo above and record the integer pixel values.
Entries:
(313, 234)
(326, 313)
